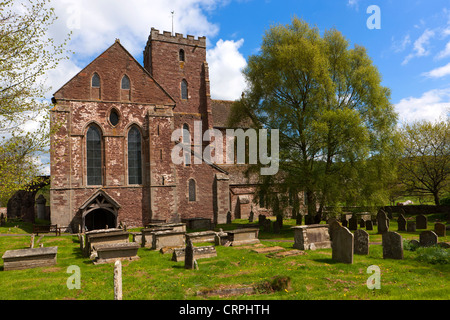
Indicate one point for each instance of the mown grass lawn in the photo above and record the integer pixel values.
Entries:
(314, 275)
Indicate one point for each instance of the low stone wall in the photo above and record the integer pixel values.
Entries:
(419, 209)
(29, 258)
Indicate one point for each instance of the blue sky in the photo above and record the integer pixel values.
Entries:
(411, 50)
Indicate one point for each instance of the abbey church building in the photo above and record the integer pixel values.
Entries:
(111, 154)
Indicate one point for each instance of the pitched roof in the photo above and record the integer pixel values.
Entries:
(221, 110)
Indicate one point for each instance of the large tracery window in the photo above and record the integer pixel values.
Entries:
(94, 156)
(134, 156)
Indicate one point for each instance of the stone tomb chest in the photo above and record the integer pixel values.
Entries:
(170, 238)
(108, 253)
(174, 226)
(29, 258)
(315, 236)
(202, 236)
(243, 236)
(105, 236)
(147, 235)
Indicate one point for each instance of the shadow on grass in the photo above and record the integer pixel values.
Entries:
(325, 260)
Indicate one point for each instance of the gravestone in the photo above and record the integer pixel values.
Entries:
(411, 226)
(333, 224)
(382, 222)
(251, 216)
(261, 219)
(352, 223)
(439, 229)
(392, 245)
(342, 245)
(428, 239)
(344, 223)
(401, 223)
(361, 242)
(421, 222)
(228, 217)
(311, 236)
(267, 225)
(276, 227)
(389, 213)
(299, 219)
(29, 258)
(280, 221)
(369, 225)
(189, 256)
(362, 223)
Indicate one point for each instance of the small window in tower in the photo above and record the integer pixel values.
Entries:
(182, 57)
(192, 190)
(184, 90)
(95, 81)
(125, 83)
(114, 117)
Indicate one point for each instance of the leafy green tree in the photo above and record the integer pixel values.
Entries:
(425, 167)
(337, 125)
(26, 55)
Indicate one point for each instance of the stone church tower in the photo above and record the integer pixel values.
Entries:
(111, 154)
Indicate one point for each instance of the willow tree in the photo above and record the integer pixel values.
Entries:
(336, 122)
(27, 53)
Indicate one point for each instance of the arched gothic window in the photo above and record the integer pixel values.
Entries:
(94, 156)
(126, 83)
(95, 83)
(134, 156)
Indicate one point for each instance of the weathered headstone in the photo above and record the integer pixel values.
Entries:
(280, 220)
(267, 225)
(411, 226)
(299, 219)
(421, 222)
(261, 219)
(401, 221)
(439, 229)
(251, 216)
(392, 245)
(333, 224)
(428, 238)
(342, 245)
(369, 225)
(276, 227)
(382, 222)
(353, 223)
(362, 223)
(118, 280)
(189, 255)
(361, 242)
(228, 217)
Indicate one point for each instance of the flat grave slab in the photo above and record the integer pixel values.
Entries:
(29, 258)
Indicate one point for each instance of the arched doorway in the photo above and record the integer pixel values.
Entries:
(99, 212)
(99, 219)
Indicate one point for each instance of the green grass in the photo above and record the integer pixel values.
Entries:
(313, 275)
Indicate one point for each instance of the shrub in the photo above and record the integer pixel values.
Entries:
(445, 201)
(433, 255)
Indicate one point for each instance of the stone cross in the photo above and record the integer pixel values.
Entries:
(392, 245)
(118, 280)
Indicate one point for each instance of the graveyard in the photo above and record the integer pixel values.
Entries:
(248, 270)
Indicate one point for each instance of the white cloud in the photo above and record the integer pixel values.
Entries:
(353, 3)
(430, 106)
(420, 46)
(225, 64)
(400, 45)
(444, 53)
(438, 72)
